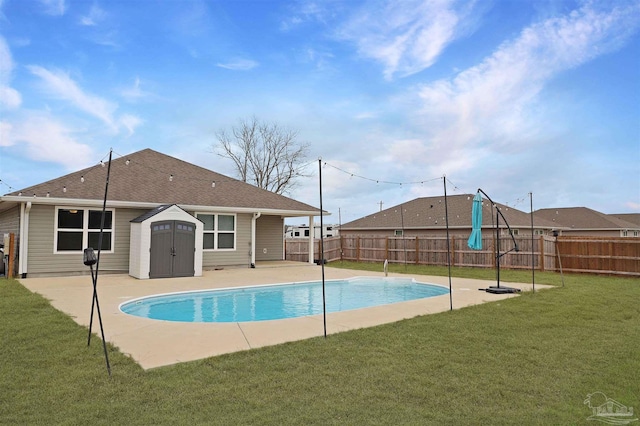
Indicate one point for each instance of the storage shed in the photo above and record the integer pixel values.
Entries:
(165, 242)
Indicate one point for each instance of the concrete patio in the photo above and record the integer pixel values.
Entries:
(154, 343)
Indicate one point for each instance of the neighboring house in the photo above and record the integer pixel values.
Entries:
(153, 199)
(427, 216)
(302, 231)
(628, 217)
(582, 221)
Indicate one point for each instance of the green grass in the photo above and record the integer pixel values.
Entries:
(526, 360)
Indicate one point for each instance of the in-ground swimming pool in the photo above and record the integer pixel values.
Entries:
(269, 302)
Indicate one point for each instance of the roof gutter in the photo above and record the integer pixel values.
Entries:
(148, 205)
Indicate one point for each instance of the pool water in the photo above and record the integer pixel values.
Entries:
(269, 302)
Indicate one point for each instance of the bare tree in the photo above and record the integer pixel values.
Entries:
(265, 154)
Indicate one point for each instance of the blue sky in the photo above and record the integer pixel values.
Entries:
(510, 96)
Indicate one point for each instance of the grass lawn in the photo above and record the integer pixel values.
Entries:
(527, 360)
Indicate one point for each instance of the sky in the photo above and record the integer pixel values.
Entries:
(532, 101)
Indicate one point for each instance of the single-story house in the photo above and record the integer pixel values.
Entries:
(164, 217)
(583, 221)
(426, 216)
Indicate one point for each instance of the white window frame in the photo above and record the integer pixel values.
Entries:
(85, 229)
(216, 231)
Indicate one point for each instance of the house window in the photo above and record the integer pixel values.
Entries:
(296, 234)
(77, 229)
(219, 231)
(306, 232)
(399, 232)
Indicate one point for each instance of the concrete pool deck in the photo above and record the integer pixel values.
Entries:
(154, 343)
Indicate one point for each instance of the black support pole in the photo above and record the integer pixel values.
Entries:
(446, 215)
(94, 299)
(515, 244)
(533, 255)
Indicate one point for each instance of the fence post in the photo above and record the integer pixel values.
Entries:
(417, 250)
(542, 253)
(358, 248)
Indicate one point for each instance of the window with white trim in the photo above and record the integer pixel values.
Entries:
(219, 231)
(79, 228)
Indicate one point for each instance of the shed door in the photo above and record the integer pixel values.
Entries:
(172, 249)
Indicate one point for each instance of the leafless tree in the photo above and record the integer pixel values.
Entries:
(267, 155)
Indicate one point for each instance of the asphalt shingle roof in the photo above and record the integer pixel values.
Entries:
(144, 177)
(429, 213)
(583, 218)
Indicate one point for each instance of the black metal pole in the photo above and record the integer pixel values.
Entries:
(404, 243)
(446, 215)
(497, 247)
(515, 244)
(533, 255)
(95, 278)
(324, 299)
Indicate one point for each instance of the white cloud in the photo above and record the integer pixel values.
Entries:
(5, 133)
(129, 122)
(134, 93)
(94, 17)
(46, 140)
(9, 97)
(239, 65)
(60, 85)
(406, 37)
(54, 7)
(491, 105)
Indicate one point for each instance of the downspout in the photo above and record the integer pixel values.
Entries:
(253, 238)
(24, 239)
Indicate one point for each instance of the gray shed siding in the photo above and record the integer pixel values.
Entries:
(239, 256)
(269, 237)
(43, 260)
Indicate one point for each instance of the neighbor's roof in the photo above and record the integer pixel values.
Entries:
(429, 213)
(150, 177)
(628, 217)
(583, 218)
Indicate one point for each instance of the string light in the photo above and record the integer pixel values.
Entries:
(64, 189)
(127, 162)
(82, 179)
(378, 181)
(213, 184)
(170, 178)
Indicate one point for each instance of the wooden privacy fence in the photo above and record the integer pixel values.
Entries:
(586, 254)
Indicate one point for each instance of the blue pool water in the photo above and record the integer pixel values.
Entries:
(279, 301)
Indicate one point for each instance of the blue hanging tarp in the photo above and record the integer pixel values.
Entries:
(475, 239)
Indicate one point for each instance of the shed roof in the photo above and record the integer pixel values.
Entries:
(148, 176)
(429, 213)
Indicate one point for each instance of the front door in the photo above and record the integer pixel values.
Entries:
(172, 249)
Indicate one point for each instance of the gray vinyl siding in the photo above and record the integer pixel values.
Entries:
(43, 260)
(240, 256)
(269, 236)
